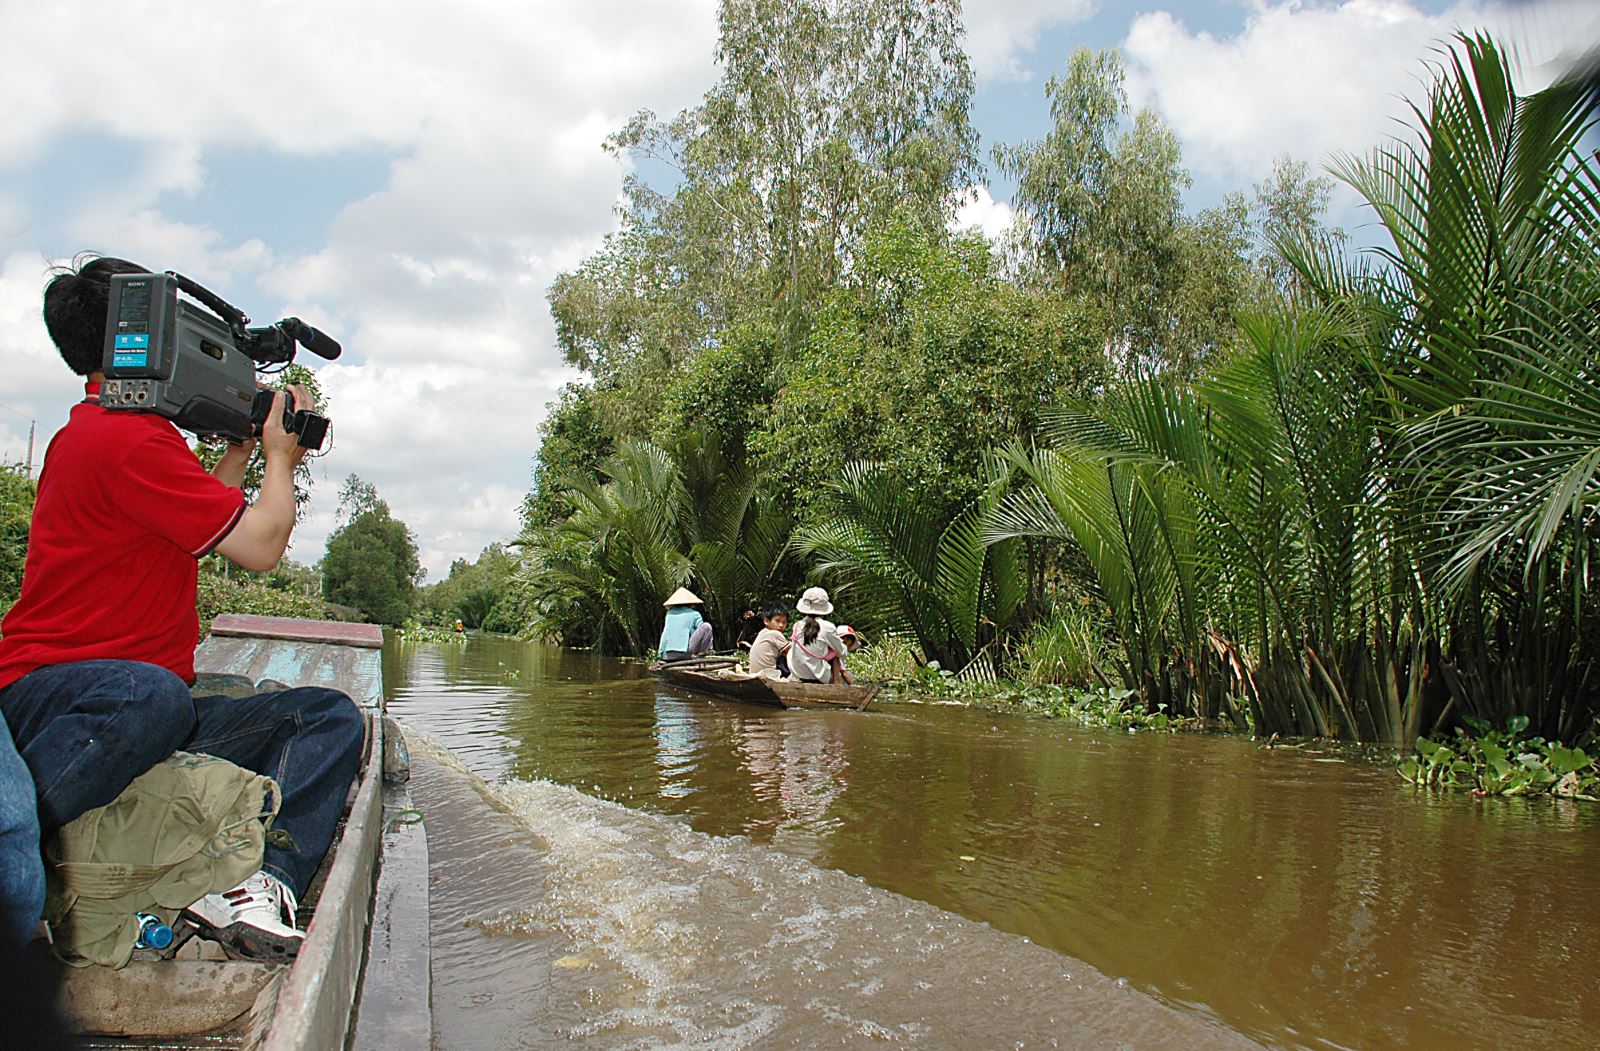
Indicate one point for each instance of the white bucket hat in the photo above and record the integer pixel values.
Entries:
(683, 597)
(815, 601)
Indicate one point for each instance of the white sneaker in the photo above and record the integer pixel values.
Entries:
(250, 919)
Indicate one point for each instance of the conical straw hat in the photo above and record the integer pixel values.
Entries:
(683, 597)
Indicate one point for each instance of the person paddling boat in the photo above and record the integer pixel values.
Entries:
(685, 633)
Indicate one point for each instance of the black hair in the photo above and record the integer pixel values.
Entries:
(775, 610)
(75, 303)
(811, 628)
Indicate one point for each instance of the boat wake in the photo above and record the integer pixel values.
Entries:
(559, 917)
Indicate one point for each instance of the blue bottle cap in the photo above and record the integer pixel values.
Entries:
(153, 934)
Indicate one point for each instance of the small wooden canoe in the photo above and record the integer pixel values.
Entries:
(362, 977)
(777, 693)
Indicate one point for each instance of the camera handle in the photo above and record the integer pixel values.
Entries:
(236, 318)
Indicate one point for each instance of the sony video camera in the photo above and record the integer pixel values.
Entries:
(197, 366)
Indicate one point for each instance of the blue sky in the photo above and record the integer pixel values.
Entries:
(411, 176)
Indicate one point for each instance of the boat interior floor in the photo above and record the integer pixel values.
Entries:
(198, 981)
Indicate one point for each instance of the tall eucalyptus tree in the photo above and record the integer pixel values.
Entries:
(830, 116)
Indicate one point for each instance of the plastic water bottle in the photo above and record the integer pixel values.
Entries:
(153, 932)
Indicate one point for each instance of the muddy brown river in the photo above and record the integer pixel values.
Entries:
(620, 865)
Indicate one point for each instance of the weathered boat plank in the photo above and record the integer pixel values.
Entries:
(293, 629)
(357, 670)
(824, 695)
(314, 1005)
(396, 987)
(741, 688)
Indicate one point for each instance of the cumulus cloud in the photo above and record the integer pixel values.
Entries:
(493, 115)
(1001, 32)
(1317, 79)
(982, 211)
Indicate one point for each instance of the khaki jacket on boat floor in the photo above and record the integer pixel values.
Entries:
(190, 826)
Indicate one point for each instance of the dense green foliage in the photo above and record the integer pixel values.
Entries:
(1380, 510)
(660, 518)
(908, 569)
(479, 594)
(371, 562)
(1209, 465)
(831, 117)
(919, 361)
(17, 491)
(217, 594)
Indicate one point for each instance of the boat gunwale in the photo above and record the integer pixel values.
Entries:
(322, 977)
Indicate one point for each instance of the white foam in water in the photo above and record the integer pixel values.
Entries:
(673, 938)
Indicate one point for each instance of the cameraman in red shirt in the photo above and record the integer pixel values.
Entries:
(97, 655)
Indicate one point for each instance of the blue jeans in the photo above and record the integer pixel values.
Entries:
(89, 728)
(21, 871)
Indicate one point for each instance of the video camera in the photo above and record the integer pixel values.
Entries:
(196, 364)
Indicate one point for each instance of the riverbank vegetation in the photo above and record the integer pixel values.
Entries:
(17, 492)
(1215, 463)
(371, 563)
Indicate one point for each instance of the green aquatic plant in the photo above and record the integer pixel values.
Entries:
(1105, 707)
(415, 631)
(1485, 761)
(1072, 647)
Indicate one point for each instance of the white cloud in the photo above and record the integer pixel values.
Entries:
(984, 212)
(1001, 32)
(1316, 79)
(37, 387)
(434, 282)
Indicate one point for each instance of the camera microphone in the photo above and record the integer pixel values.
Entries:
(318, 342)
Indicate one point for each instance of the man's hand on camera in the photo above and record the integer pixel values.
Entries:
(258, 540)
(275, 441)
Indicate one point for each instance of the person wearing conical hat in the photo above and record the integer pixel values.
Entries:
(685, 633)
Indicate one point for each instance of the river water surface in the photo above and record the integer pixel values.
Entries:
(618, 864)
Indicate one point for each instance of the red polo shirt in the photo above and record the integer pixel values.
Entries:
(124, 512)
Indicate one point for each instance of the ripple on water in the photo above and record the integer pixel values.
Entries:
(1306, 896)
(590, 921)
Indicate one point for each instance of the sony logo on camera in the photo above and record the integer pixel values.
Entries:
(197, 366)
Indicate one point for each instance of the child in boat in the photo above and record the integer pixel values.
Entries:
(852, 642)
(685, 633)
(772, 643)
(816, 652)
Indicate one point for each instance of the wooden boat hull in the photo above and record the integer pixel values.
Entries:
(775, 693)
(818, 695)
(362, 976)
